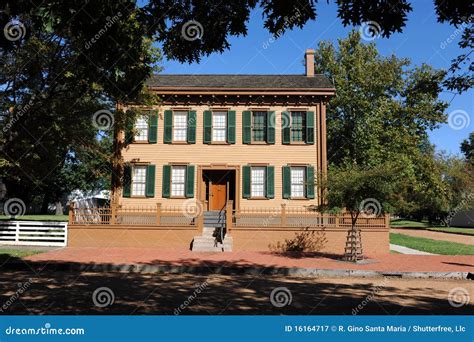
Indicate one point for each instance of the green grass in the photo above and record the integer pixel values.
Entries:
(6, 254)
(431, 246)
(408, 223)
(453, 230)
(36, 218)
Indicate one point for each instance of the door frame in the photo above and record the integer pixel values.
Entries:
(201, 186)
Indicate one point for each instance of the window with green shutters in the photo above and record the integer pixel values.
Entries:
(144, 129)
(139, 181)
(219, 127)
(258, 127)
(298, 182)
(298, 127)
(178, 181)
(180, 126)
(258, 182)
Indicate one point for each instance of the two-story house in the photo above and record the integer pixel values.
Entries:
(222, 151)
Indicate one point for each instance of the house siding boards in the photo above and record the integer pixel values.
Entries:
(234, 155)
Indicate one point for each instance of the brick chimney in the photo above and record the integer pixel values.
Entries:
(309, 58)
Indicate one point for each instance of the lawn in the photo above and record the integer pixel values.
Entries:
(453, 230)
(431, 246)
(408, 223)
(36, 218)
(5, 254)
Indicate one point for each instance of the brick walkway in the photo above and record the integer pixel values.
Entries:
(150, 256)
(465, 239)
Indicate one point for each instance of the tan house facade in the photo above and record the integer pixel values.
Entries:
(225, 162)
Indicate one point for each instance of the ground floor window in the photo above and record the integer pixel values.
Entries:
(178, 181)
(258, 176)
(139, 181)
(297, 182)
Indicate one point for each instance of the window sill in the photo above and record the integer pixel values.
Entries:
(139, 142)
(258, 198)
(220, 143)
(136, 196)
(179, 143)
(177, 197)
(299, 198)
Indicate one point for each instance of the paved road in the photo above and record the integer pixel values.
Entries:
(72, 293)
(465, 239)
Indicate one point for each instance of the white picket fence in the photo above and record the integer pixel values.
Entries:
(33, 233)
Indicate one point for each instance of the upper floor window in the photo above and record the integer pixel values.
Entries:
(141, 129)
(298, 126)
(259, 126)
(219, 126)
(180, 125)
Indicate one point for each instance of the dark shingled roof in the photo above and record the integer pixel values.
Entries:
(240, 81)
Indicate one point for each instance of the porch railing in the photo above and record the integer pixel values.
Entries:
(258, 218)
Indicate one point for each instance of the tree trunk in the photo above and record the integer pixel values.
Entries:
(59, 208)
(45, 204)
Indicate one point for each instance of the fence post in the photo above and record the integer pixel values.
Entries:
(158, 213)
(283, 215)
(17, 232)
(113, 209)
(228, 216)
(71, 212)
(337, 216)
(387, 221)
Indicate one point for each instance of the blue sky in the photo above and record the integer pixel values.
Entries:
(423, 40)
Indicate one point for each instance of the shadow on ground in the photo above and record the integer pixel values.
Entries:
(56, 291)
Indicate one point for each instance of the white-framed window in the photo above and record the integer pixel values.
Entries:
(178, 180)
(141, 129)
(297, 182)
(219, 126)
(257, 185)
(180, 125)
(139, 180)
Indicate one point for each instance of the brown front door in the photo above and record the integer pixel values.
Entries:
(218, 194)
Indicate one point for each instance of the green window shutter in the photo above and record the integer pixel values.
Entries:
(309, 181)
(127, 181)
(207, 139)
(153, 129)
(270, 127)
(192, 127)
(285, 127)
(286, 178)
(246, 181)
(231, 126)
(129, 124)
(246, 126)
(270, 186)
(190, 181)
(168, 135)
(310, 127)
(166, 181)
(150, 181)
